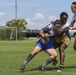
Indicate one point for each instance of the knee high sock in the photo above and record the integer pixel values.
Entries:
(30, 56)
(54, 60)
(48, 61)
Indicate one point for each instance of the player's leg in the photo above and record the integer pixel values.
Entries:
(74, 44)
(36, 50)
(56, 45)
(62, 56)
(54, 63)
(53, 55)
(64, 44)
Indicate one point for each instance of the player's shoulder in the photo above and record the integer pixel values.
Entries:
(49, 26)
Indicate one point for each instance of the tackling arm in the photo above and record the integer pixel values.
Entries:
(72, 23)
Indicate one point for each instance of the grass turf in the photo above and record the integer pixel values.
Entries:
(13, 53)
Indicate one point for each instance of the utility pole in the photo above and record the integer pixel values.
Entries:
(16, 16)
(15, 9)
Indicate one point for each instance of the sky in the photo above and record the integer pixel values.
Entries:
(38, 13)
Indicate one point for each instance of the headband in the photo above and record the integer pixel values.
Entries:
(74, 5)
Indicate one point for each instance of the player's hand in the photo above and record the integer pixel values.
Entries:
(47, 40)
(46, 36)
(59, 31)
(70, 28)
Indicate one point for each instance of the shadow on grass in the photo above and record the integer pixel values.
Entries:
(47, 69)
(69, 66)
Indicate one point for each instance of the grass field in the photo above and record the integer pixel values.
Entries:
(13, 53)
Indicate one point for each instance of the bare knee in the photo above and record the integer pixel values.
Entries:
(54, 55)
(61, 50)
(34, 53)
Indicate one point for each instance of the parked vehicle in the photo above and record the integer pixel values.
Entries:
(72, 33)
(32, 33)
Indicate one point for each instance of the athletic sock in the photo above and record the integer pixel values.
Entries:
(55, 60)
(61, 65)
(30, 56)
(48, 61)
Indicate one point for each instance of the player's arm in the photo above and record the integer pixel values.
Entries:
(44, 36)
(55, 35)
(41, 33)
(72, 23)
(72, 28)
(65, 29)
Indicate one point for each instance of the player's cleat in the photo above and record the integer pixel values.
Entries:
(54, 64)
(22, 67)
(41, 68)
(60, 69)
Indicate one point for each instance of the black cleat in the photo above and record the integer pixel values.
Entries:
(22, 67)
(42, 68)
(60, 69)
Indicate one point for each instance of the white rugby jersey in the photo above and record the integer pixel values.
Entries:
(49, 29)
(74, 17)
(65, 25)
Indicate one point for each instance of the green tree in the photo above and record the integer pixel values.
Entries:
(19, 23)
